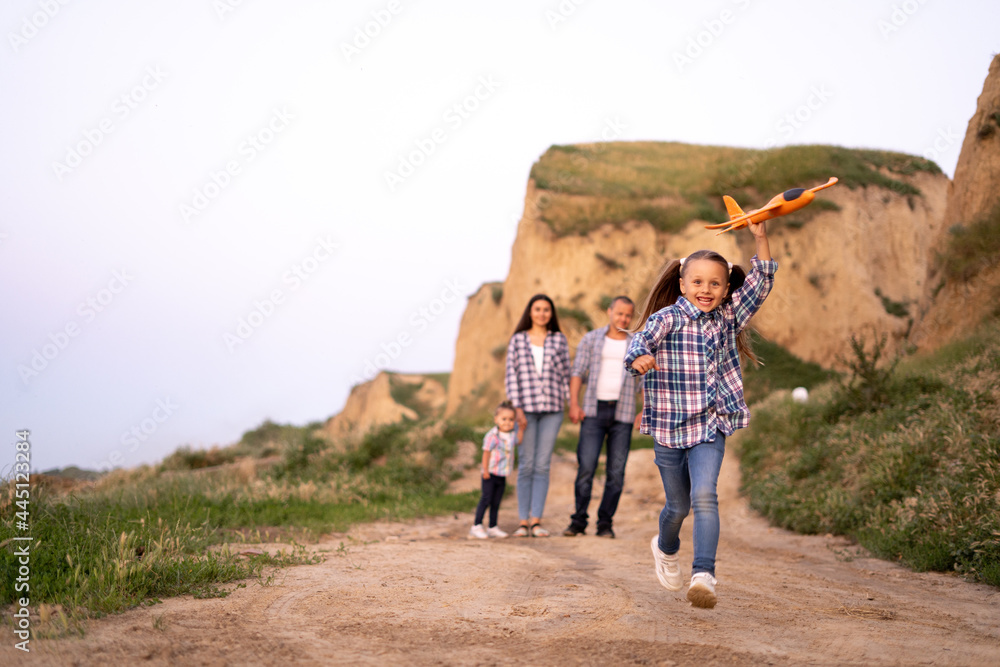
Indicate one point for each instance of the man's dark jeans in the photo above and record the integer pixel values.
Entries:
(593, 432)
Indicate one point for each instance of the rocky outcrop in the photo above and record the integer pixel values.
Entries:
(975, 189)
(870, 267)
(857, 271)
(372, 404)
(854, 270)
(950, 308)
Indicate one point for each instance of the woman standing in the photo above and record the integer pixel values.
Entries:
(537, 380)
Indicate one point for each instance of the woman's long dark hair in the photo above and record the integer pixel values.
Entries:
(667, 289)
(525, 322)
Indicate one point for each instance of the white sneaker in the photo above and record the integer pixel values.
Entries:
(496, 532)
(478, 532)
(702, 590)
(668, 568)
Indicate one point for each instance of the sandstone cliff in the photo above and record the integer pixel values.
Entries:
(386, 399)
(843, 271)
(952, 304)
(600, 219)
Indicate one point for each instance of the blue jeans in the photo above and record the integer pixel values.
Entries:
(533, 462)
(690, 477)
(593, 432)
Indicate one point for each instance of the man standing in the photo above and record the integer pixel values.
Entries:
(608, 412)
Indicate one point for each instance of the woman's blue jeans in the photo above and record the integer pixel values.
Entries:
(690, 477)
(533, 462)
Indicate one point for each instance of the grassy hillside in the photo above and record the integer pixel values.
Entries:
(669, 184)
(905, 460)
(779, 369)
(137, 536)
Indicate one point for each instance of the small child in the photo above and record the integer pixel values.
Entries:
(498, 463)
(695, 328)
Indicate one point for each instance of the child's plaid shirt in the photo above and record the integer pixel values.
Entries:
(698, 388)
(528, 390)
(501, 449)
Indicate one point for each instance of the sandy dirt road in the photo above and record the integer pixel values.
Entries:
(420, 593)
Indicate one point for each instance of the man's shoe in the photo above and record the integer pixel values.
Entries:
(668, 568)
(606, 532)
(702, 590)
(573, 531)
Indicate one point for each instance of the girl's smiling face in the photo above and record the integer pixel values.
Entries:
(704, 283)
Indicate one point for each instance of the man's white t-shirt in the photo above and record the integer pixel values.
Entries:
(609, 380)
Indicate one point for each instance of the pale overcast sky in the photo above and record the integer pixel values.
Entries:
(216, 212)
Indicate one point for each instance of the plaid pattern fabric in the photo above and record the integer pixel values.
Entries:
(528, 390)
(587, 364)
(501, 448)
(698, 388)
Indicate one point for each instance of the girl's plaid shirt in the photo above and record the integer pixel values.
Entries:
(528, 390)
(698, 388)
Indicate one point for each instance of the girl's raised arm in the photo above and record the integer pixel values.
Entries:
(759, 231)
(748, 299)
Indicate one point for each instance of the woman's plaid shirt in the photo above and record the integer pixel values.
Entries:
(698, 388)
(528, 390)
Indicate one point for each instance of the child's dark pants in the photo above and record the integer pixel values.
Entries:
(493, 489)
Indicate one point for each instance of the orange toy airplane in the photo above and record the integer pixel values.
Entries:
(785, 203)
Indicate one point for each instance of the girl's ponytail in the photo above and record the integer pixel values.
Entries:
(664, 292)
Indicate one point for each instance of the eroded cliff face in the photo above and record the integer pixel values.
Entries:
(976, 187)
(860, 269)
(869, 268)
(371, 404)
(950, 308)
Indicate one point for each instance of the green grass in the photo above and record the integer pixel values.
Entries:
(972, 248)
(905, 462)
(775, 170)
(609, 262)
(268, 439)
(406, 393)
(670, 184)
(442, 378)
(894, 308)
(105, 552)
(781, 370)
(142, 535)
(577, 315)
